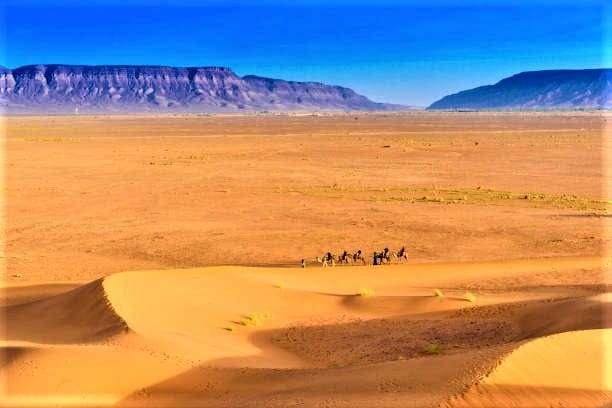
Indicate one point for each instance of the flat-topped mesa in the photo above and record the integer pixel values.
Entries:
(550, 89)
(142, 88)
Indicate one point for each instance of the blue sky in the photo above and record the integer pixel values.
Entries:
(409, 52)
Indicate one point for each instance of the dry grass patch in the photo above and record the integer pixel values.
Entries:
(366, 292)
(470, 297)
(254, 319)
(432, 348)
(449, 196)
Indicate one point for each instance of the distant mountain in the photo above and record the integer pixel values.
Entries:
(570, 89)
(133, 88)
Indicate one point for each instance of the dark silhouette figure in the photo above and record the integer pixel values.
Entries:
(358, 257)
(346, 257)
(384, 256)
(402, 255)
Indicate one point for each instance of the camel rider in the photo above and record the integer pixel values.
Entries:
(357, 256)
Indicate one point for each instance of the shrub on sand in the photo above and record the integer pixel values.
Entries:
(438, 293)
(254, 319)
(469, 296)
(366, 292)
(432, 348)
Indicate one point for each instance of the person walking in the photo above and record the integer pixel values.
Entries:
(375, 259)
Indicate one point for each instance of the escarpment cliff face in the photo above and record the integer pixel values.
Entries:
(70, 88)
(570, 89)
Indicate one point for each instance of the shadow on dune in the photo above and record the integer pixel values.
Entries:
(409, 383)
(77, 316)
(400, 305)
(454, 331)
(10, 354)
(551, 317)
(368, 363)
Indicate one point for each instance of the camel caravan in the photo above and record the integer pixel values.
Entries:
(378, 258)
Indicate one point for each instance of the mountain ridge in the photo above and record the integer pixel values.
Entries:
(546, 89)
(61, 88)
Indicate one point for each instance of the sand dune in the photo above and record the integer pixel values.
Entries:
(238, 336)
(78, 316)
(79, 375)
(422, 382)
(564, 370)
(511, 207)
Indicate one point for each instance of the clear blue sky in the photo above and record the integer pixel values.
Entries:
(409, 52)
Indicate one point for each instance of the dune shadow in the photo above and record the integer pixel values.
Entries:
(11, 353)
(408, 332)
(414, 383)
(80, 315)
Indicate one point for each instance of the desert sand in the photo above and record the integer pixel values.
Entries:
(155, 261)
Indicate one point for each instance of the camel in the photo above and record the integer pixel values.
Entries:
(357, 256)
(401, 255)
(384, 256)
(327, 259)
(345, 258)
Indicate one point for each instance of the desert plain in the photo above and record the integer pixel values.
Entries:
(154, 261)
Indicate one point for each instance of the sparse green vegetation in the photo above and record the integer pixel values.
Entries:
(432, 348)
(449, 196)
(366, 292)
(200, 157)
(254, 319)
(52, 139)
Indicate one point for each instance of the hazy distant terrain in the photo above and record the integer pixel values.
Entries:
(569, 89)
(70, 88)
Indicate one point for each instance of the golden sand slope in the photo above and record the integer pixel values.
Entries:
(237, 336)
(572, 369)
